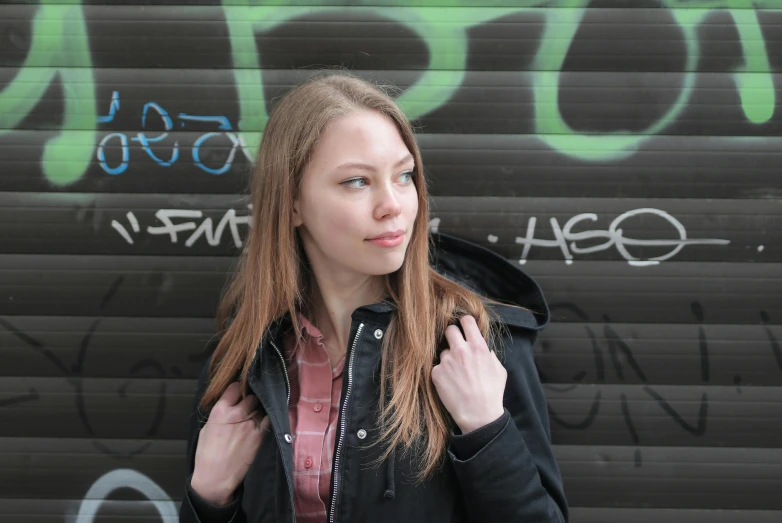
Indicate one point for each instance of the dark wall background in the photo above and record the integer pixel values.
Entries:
(626, 152)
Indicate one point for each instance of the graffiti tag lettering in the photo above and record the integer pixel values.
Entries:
(212, 234)
(125, 478)
(224, 125)
(568, 240)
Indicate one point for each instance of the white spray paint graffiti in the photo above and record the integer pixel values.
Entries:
(565, 239)
(126, 478)
(213, 235)
(614, 238)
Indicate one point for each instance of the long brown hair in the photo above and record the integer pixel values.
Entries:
(270, 280)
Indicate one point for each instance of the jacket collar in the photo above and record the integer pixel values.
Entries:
(380, 313)
(491, 276)
(477, 268)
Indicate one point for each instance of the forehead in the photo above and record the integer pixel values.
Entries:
(364, 136)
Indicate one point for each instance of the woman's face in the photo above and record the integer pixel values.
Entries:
(358, 186)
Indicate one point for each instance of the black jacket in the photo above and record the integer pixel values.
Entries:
(503, 472)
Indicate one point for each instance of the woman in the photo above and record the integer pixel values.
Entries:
(352, 381)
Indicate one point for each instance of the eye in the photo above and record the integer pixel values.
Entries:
(409, 175)
(354, 183)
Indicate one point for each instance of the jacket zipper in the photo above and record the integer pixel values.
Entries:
(287, 388)
(343, 426)
(285, 370)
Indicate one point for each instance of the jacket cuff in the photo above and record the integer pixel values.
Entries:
(503, 480)
(210, 513)
(465, 446)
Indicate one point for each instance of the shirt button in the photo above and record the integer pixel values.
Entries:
(361, 434)
(318, 407)
(307, 463)
(378, 334)
(288, 438)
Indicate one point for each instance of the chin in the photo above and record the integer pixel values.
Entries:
(382, 271)
(385, 266)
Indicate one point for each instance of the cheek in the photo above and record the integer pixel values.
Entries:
(334, 216)
(411, 206)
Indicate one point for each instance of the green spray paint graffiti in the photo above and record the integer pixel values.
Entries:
(59, 26)
(57, 30)
(444, 32)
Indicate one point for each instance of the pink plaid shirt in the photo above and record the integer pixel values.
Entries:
(314, 408)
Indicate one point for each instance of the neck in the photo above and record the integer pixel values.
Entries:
(333, 304)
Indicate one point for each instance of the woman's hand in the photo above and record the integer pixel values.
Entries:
(469, 379)
(227, 445)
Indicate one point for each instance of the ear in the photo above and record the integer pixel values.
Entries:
(297, 220)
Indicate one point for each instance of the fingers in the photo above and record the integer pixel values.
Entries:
(472, 334)
(438, 369)
(257, 419)
(261, 424)
(249, 404)
(454, 336)
(232, 394)
(264, 424)
(471, 330)
(444, 355)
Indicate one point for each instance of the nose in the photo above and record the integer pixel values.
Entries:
(388, 204)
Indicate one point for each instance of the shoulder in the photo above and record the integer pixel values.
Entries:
(530, 318)
(517, 330)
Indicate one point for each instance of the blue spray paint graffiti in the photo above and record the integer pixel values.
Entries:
(224, 126)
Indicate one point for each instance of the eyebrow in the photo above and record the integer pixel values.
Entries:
(369, 167)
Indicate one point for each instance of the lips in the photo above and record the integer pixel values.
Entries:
(390, 235)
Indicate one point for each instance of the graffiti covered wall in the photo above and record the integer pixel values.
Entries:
(626, 153)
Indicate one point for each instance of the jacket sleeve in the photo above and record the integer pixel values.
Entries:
(194, 508)
(515, 477)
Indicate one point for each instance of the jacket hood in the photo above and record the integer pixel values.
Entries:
(492, 276)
